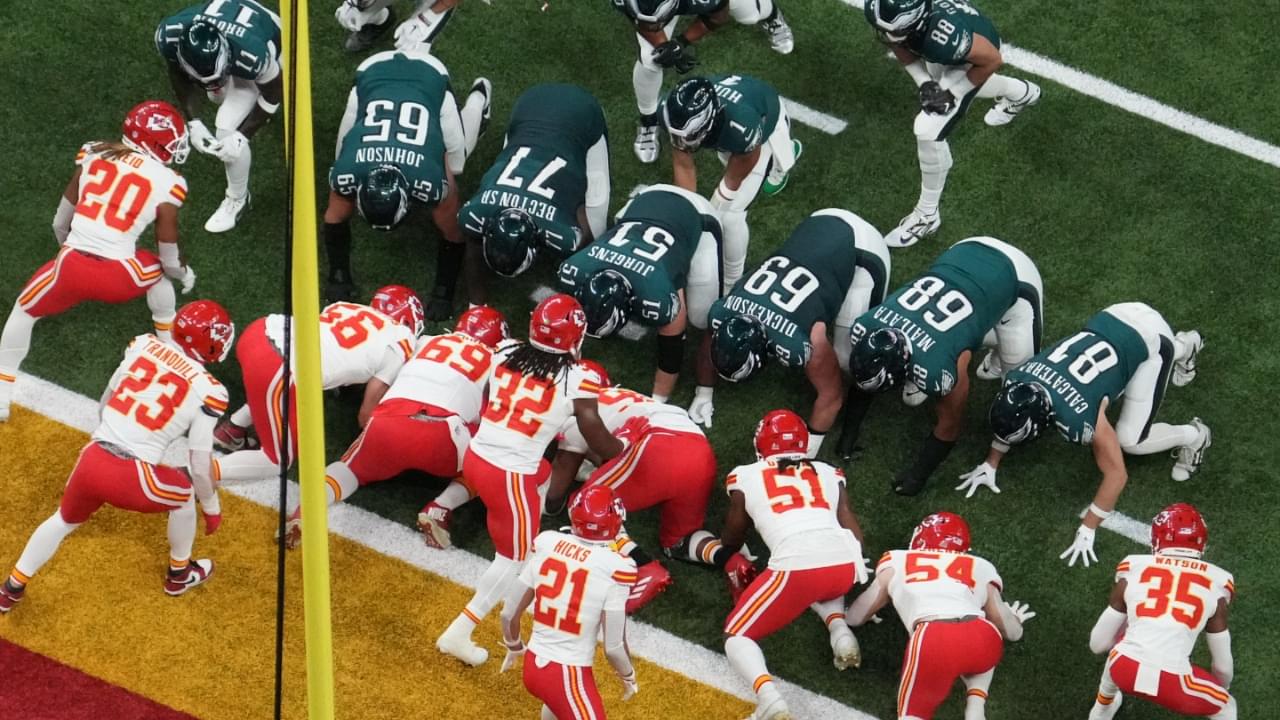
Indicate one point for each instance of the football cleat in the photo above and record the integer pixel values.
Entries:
(229, 437)
(485, 88)
(433, 521)
(10, 596)
(777, 180)
(651, 579)
(913, 228)
(1006, 109)
(775, 709)
(440, 304)
(990, 368)
(912, 395)
(781, 39)
(646, 145)
(1107, 711)
(194, 574)
(1184, 370)
(293, 533)
(367, 36)
(462, 648)
(1187, 459)
(845, 652)
(227, 214)
(740, 572)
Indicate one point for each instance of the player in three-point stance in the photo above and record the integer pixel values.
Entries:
(580, 580)
(117, 190)
(160, 393)
(950, 602)
(1160, 604)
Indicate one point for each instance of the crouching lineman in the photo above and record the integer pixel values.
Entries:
(661, 48)
(980, 292)
(549, 187)
(229, 51)
(99, 259)
(660, 265)
(161, 392)
(401, 142)
(741, 118)
(833, 268)
(1126, 351)
(535, 389)
(950, 602)
(1148, 640)
(368, 20)
(431, 406)
(952, 52)
(801, 511)
(359, 345)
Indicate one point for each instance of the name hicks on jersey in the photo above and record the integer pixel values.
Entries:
(1061, 386)
(920, 338)
(389, 154)
(772, 319)
(536, 208)
(615, 258)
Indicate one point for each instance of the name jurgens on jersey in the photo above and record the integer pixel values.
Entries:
(389, 154)
(626, 262)
(771, 318)
(1059, 384)
(536, 208)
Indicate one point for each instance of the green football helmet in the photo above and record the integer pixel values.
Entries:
(879, 360)
(1020, 412)
(738, 347)
(606, 299)
(897, 19)
(204, 54)
(692, 113)
(657, 12)
(510, 242)
(383, 197)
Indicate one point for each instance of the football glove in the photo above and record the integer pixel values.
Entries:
(678, 54)
(200, 137)
(632, 430)
(1020, 610)
(739, 572)
(415, 33)
(231, 147)
(629, 686)
(982, 476)
(1081, 549)
(352, 18)
(934, 100)
(513, 654)
(701, 410)
(211, 522)
(183, 274)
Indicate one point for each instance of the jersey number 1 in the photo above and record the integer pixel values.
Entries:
(551, 590)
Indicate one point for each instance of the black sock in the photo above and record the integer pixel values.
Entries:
(337, 248)
(640, 556)
(912, 480)
(649, 120)
(856, 405)
(449, 257)
(773, 15)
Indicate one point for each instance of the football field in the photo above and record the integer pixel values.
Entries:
(1147, 172)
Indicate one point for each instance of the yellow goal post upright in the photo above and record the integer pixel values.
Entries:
(296, 54)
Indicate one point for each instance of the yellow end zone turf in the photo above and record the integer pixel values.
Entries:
(99, 607)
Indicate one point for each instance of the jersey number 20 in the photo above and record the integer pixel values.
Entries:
(122, 195)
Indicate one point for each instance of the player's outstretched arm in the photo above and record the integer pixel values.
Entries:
(984, 475)
(1106, 631)
(374, 391)
(683, 172)
(564, 468)
(845, 515)
(200, 464)
(613, 623)
(869, 602)
(186, 90)
(736, 523)
(823, 371)
(1219, 640)
(1007, 617)
(599, 439)
(511, 614)
(1110, 459)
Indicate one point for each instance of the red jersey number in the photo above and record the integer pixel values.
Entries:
(518, 401)
(468, 358)
(555, 573)
(925, 567)
(142, 375)
(351, 325)
(1171, 592)
(794, 489)
(122, 196)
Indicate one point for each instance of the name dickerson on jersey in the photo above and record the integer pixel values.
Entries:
(772, 319)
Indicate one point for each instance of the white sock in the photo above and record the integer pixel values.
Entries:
(1163, 437)
(454, 496)
(472, 114)
(747, 660)
(975, 701)
(163, 301)
(935, 162)
(182, 531)
(1226, 713)
(238, 169)
(1003, 86)
(242, 417)
(43, 544)
(246, 465)
(347, 483)
(831, 613)
(15, 343)
(648, 85)
(493, 586)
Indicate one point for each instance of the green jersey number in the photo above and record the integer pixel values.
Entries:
(943, 31)
(413, 119)
(539, 184)
(244, 17)
(1088, 365)
(798, 283)
(948, 309)
(658, 240)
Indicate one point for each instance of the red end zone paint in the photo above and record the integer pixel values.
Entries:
(39, 688)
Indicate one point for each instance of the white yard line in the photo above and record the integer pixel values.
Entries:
(802, 113)
(1136, 103)
(394, 540)
(1122, 524)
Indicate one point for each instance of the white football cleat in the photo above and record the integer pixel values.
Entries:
(1187, 459)
(912, 395)
(845, 652)
(462, 648)
(775, 709)
(1184, 370)
(646, 145)
(1006, 109)
(485, 88)
(1106, 712)
(781, 39)
(913, 228)
(227, 214)
(990, 368)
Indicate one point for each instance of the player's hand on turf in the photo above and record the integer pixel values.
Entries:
(231, 147)
(701, 409)
(1081, 549)
(678, 54)
(934, 100)
(185, 276)
(629, 686)
(211, 522)
(1020, 610)
(201, 139)
(862, 571)
(982, 476)
(513, 654)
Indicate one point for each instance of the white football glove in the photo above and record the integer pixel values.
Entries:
(414, 33)
(513, 654)
(201, 139)
(185, 276)
(701, 409)
(629, 686)
(862, 571)
(1020, 610)
(1081, 549)
(982, 476)
(352, 18)
(231, 147)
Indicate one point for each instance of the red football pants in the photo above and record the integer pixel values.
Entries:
(513, 507)
(776, 597)
(404, 435)
(938, 654)
(103, 478)
(264, 389)
(73, 277)
(568, 690)
(1198, 693)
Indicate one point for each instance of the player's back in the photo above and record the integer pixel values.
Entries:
(751, 107)
(354, 342)
(575, 582)
(154, 396)
(618, 405)
(118, 195)
(793, 503)
(937, 584)
(447, 371)
(1169, 600)
(557, 119)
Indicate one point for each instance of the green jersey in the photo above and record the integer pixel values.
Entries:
(252, 31)
(947, 35)
(397, 123)
(804, 282)
(946, 311)
(543, 167)
(683, 7)
(1081, 371)
(652, 245)
(751, 111)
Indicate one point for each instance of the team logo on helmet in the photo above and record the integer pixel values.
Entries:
(690, 113)
(880, 358)
(896, 19)
(606, 300)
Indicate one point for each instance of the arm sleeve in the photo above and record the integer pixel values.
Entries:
(615, 622)
(1220, 652)
(455, 143)
(200, 461)
(62, 219)
(347, 122)
(1103, 635)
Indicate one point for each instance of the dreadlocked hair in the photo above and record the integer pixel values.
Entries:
(529, 360)
(111, 150)
(786, 464)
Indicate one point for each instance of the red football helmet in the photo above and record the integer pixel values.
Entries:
(204, 331)
(941, 531)
(1179, 527)
(781, 432)
(484, 323)
(156, 128)
(402, 305)
(596, 514)
(558, 325)
(594, 368)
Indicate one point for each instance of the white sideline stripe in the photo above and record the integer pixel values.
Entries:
(398, 541)
(630, 331)
(1138, 104)
(1122, 524)
(813, 118)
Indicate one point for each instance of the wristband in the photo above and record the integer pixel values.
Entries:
(703, 392)
(269, 108)
(918, 72)
(999, 445)
(1102, 514)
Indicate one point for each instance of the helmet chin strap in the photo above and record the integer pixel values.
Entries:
(1181, 552)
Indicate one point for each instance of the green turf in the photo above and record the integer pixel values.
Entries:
(1111, 206)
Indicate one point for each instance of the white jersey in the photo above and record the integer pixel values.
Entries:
(1169, 600)
(154, 397)
(357, 344)
(117, 201)
(794, 510)
(575, 582)
(937, 584)
(447, 371)
(525, 414)
(618, 405)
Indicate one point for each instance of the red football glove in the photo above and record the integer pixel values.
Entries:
(651, 579)
(211, 523)
(740, 572)
(632, 430)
